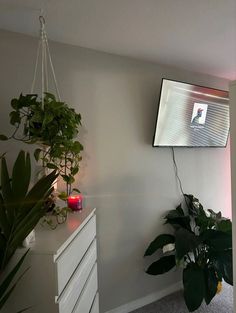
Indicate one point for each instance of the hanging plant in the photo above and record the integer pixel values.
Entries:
(201, 245)
(49, 122)
(54, 127)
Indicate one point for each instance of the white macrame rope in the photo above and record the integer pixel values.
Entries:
(46, 69)
(45, 54)
(35, 68)
(53, 72)
(43, 57)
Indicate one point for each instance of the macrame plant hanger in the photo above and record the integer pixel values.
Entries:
(43, 53)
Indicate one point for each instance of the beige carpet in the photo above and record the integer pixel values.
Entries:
(222, 303)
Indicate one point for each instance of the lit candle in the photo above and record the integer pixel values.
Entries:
(75, 202)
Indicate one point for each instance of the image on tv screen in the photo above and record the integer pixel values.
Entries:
(191, 116)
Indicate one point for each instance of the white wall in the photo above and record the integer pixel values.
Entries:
(233, 169)
(131, 184)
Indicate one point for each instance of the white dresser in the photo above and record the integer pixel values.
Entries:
(63, 269)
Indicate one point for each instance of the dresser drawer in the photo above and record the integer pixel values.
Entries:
(72, 255)
(72, 291)
(86, 298)
(95, 307)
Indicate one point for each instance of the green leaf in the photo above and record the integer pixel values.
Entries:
(63, 196)
(225, 226)
(74, 170)
(185, 242)
(37, 154)
(180, 210)
(194, 286)
(176, 219)
(76, 190)
(3, 137)
(21, 172)
(7, 281)
(162, 266)
(4, 223)
(37, 192)
(211, 283)
(223, 261)
(52, 166)
(6, 190)
(15, 117)
(68, 179)
(159, 243)
(50, 96)
(14, 104)
(217, 240)
(9, 292)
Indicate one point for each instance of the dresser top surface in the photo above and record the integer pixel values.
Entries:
(48, 241)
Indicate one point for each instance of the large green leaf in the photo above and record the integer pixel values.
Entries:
(223, 262)
(37, 193)
(225, 225)
(29, 222)
(217, 240)
(159, 243)
(180, 210)
(211, 283)
(177, 218)
(5, 292)
(19, 211)
(3, 137)
(4, 223)
(185, 242)
(194, 286)
(162, 266)
(21, 173)
(6, 190)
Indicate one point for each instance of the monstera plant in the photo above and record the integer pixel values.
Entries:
(201, 244)
(21, 208)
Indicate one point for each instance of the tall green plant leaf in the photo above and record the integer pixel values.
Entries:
(6, 190)
(185, 242)
(4, 223)
(21, 172)
(163, 265)
(5, 292)
(217, 240)
(177, 219)
(194, 286)
(24, 209)
(159, 243)
(223, 261)
(211, 283)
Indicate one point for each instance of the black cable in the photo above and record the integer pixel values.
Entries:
(176, 172)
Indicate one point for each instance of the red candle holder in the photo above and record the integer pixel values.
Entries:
(75, 202)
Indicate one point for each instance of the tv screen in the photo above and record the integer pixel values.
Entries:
(191, 116)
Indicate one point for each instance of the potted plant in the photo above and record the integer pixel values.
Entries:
(200, 244)
(21, 208)
(52, 125)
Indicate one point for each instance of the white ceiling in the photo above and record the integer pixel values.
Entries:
(198, 35)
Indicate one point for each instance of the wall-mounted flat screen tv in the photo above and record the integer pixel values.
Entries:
(191, 116)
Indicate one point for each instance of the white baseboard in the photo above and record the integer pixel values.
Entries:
(136, 304)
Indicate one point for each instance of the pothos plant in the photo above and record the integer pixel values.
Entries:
(53, 125)
(200, 244)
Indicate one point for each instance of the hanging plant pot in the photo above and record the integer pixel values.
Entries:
(47, 121)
